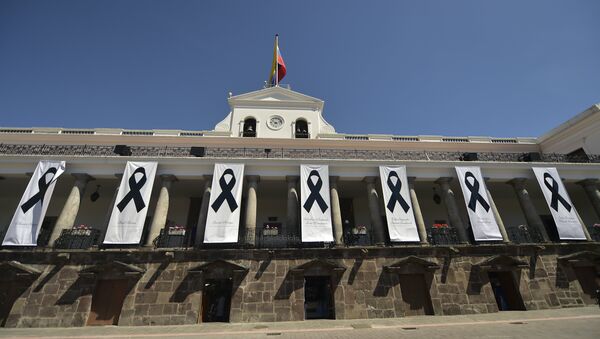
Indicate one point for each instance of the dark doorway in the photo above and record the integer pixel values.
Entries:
(506, 292)
(318, 298)
(216, 300)
(107, 301)
(10, 291)
(586, 275)
(415, 295)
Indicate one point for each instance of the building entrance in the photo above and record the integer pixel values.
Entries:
(506, 291)
(415, 295)
(107, 301)
(216, 300)
(586, 275)
(318, 298)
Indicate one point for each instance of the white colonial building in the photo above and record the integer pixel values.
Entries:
(270, 274)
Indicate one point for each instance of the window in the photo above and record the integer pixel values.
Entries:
(301, 129)
(249, 130)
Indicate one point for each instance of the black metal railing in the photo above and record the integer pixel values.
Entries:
(249, 134)
(523, 234)
(170, 238)
(77, 238)
(594, 231)
(442, 236)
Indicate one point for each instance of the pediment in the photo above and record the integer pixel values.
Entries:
(274, 94)
(18, 269)
(319, 264)
(583, 258)
(411, 265)
(502, 262)
(113, 268)
(219, 265)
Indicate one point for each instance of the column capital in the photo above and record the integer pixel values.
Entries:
(119, 175)
(517, 182)
(292, 178)
(588, 182)
(411, 180)
(370, 179)
(253, 179)
(83, 177)
(444, 180)
(334, 179)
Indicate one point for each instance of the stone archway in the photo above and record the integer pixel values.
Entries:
(220, 282)
(113, 282)
(415, 276)
(504, 273)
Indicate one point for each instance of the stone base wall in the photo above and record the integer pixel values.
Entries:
(168, 289)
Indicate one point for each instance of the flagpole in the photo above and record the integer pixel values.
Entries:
(276, 60)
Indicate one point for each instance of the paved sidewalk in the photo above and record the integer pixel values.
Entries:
(583, 322)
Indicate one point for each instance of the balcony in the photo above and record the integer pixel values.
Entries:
(442, 236)
(524, 235)
(77, 238)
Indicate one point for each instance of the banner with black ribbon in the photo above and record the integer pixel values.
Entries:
(565, 216)
(398, 207)
(483, 222)
(315, 204)
(128, 216)
(26, 223)
(223, 220)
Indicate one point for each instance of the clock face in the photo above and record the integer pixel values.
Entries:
(275, 122)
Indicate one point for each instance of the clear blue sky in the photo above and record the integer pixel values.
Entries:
(499, 68)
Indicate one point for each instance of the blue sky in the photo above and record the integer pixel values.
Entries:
(499, 68)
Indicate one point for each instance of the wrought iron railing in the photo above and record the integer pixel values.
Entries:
(594, 231)
(170, 239)
(77, 238)
(523, 234)
(442, 236)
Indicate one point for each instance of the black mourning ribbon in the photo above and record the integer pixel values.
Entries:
(315, 192)
(396, 196)
(556, 197)
(43, 185)
(226, 194)
(134, 191)
(475, 196)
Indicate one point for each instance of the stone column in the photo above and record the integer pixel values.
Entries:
(376, 222)
(496, 213)
(250, 218)
(452, 209)
(531, 214)
(417, 211)
(201, 227)
(292, 227)
(336, 213)
(67, 216)
(591, 189)
(162, 208)
(119, 176)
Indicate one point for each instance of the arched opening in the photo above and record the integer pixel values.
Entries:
(301, 131)
(249, 130)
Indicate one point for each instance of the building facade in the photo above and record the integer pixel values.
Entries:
(172, 275)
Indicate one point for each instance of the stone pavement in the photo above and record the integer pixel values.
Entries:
(582, 322)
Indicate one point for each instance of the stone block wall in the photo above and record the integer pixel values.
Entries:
(169, 291)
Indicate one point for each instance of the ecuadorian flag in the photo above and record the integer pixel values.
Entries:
(278, 66)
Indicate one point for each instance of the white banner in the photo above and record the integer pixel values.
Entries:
(398, 207)
(483, 222)
(126, 223)
(315, 203)
(567, 222)
(223, 220)
(26, 223)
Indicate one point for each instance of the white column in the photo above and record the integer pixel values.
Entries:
(293, 202)
(417, 211)
(251, 203)
(201, 227)
(452, 208)
(531, 214)
(376, 222)
(69, 212)
(336, 214)
(161, 210)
